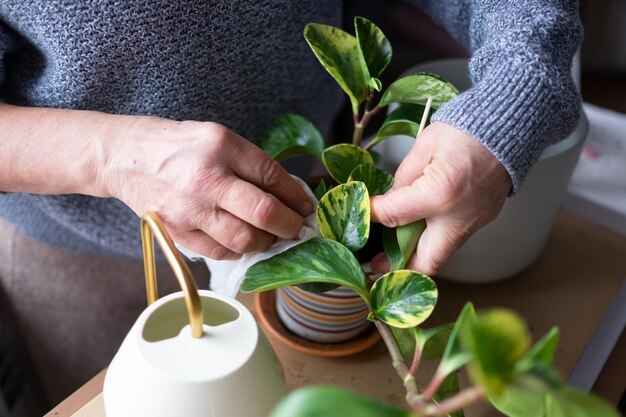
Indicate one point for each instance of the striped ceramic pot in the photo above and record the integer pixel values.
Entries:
(331, 317)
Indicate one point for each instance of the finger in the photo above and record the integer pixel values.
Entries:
(406, 204)
(420, 156)
(253, 165)
(235, 234)
(380, 263)
(436, 246)
(203, 244)
(260, 209)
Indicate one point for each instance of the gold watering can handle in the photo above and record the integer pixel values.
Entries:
(152, 227)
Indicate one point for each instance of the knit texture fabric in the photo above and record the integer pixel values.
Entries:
(242, 63)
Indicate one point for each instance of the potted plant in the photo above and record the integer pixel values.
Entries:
(343, 210)
(493, 346)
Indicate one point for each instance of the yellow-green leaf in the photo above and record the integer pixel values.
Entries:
(316, 260)
(373, 45)
(403, 298)
(376, 180)
(343, 214)
(340, 160)
(498, 339)
(403, 121)
(417, 88)
(338, 51)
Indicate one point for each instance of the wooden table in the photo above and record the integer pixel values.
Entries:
(570, 286)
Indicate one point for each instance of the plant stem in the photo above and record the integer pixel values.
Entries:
(417, 356)
(456, 402)
(433, 386)
(398, 361)
(429, 103)
(359, 125)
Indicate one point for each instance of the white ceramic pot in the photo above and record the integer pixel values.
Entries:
(162, 371)
(514, 240)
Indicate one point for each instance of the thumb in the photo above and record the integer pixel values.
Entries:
(404, 205)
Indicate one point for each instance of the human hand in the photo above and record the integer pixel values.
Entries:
(453, 182)
(217, 194)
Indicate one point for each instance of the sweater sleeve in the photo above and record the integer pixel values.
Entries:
(522, 98)
(7, 43)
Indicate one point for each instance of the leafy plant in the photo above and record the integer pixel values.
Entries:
(493, 346)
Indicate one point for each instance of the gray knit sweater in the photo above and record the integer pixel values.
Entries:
(242, 63)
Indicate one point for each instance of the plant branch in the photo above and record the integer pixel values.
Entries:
(433, 386)
(398, 361)
(456, 402)
(359, 125)
(417, 356)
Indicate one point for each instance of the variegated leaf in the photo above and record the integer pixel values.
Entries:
(374, 46)
(292, 135)
(340, 160)
(403, 298)
(316, 260)
(339, 54)
(376, 180)
(417, 88)
(343, 214)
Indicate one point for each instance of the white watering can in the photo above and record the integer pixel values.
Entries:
(192, 353)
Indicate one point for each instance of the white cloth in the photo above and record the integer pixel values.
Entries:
(227, 276)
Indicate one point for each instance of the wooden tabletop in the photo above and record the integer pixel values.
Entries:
(570, 286)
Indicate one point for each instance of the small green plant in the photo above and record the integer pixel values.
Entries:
(493, 346)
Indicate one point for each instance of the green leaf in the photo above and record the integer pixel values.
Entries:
(338, 51)
(343, 214)
(447, 389)
(377, 157)
(291, 135)
(333, 402)
(572, 403)
(403, 121)
(403, 298)
(316, 260)
(431, 342)
(434, 341)
(392, 250)
(542, 352)
(454, 356)
(520, 401)
(376, 180)
(400, 243)
(374, 47)
(340, 160)
(417, 88)
(497, 339)
(408, 236)
(320, 190)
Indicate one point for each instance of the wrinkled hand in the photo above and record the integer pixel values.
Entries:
(217, 194)
(450, 180)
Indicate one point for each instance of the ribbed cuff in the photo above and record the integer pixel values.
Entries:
(514, 114)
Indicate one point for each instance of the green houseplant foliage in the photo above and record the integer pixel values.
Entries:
(493, 346)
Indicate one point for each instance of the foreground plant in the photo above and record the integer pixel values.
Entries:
(493, 346)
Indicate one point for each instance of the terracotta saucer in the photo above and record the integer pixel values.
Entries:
(266, 312)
